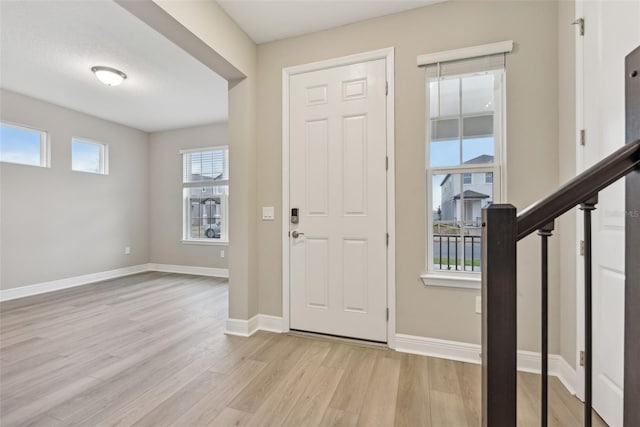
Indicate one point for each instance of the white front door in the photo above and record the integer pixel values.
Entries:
(338, 184)
(612, 30)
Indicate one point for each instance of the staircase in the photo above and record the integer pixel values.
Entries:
(503, 227)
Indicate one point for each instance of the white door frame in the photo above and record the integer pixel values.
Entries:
(388, 55)
(580, 167)
(580, 164)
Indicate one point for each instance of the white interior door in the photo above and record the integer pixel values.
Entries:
(338, 184)
(612, 30)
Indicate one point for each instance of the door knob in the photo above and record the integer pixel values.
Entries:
(295, 234)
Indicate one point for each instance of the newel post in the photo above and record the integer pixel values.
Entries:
(499, 333)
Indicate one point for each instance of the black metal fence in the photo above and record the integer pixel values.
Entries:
(455, 252)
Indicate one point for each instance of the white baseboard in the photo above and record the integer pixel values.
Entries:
(71, 282)
(270, 323)
(527, 361)
(186, 269)
(240, 327)
(452, 350)
(259, 322)
(564, 372)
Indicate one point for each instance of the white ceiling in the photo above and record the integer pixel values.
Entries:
(47, 49)
(268, 20)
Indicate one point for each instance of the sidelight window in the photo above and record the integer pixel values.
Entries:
(465, 136)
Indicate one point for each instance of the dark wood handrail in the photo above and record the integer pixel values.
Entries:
(579, 189)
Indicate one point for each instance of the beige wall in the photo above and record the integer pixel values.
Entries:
(566, 225)
(56, 223)
(165, 214)
(211, 25)
(532, 147)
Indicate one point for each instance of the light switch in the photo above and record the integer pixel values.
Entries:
(268, 213)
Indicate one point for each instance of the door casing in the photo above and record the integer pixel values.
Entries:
(581, 165)
(388, 55)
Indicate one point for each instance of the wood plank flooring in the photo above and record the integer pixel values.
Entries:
(149, 350)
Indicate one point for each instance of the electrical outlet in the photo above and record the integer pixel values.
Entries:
(127, 250)
(221, 253)
(478, 304)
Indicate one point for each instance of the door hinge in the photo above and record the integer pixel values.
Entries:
(582, 358)
(583, 137)
(387, 314)
(386, 163)
(581, 247)
(580, 23)
(387, 239)
(386, 89)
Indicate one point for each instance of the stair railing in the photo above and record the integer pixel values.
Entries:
(502, 228)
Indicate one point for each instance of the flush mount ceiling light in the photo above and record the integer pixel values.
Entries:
(109, 76)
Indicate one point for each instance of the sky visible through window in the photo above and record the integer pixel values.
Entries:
(19, 145)
(86, 157)
(447, 153)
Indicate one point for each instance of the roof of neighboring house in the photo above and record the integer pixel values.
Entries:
(199, 177)
(480, 160)
(484, 158)
(470, 194)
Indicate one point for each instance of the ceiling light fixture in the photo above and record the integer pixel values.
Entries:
(109, 76)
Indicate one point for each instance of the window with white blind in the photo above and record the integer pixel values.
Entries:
(464, 160)
(205, 193)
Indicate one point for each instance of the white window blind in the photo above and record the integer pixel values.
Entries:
(465, 53)
(466, 66)
(206, 166)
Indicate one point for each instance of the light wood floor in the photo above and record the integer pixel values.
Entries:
(148, 350)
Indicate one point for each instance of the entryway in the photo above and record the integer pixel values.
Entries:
(337, 206)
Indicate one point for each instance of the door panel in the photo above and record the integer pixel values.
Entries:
(338, 182)
(354, 274)
(355, 165)
(317, 170)
(317, 278)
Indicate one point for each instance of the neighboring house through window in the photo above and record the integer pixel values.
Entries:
(205, 195)
(488, 178)
(465, 138)
(24, 146)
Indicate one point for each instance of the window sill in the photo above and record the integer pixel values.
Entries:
(454, 280)
(206, 243)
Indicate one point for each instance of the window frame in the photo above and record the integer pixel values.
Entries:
(224, 200)
(45, 144)
(104, 155)
(464, 279)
